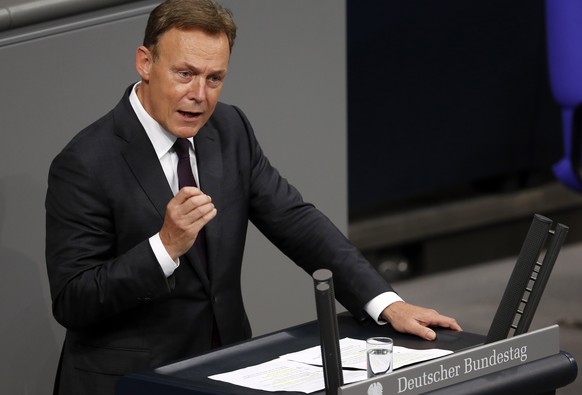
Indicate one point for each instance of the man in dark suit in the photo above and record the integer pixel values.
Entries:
(143, 271)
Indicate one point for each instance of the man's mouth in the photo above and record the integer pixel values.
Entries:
(189, 114)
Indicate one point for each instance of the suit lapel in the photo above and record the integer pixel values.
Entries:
(141, 158)
(209, 161)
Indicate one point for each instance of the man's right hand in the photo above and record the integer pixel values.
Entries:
(186, 215)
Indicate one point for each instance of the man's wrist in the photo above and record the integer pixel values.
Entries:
(377, 305)
(166, 262)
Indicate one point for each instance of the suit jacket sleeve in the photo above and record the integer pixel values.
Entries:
(307, 236)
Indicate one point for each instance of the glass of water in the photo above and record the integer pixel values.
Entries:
(378, 355)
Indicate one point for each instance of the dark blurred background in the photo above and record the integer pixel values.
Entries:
(449, 108)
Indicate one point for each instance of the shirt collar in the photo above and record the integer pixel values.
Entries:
(161, 139)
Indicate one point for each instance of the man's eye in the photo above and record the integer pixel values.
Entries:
(184, 74)
(215, 80)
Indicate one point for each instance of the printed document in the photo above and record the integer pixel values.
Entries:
(302, 371)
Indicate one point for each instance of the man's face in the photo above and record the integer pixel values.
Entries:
(180, 88)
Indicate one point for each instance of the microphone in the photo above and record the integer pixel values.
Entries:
(328, 330)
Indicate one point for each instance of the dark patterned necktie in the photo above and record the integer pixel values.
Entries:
(186, 179)
(185, 175)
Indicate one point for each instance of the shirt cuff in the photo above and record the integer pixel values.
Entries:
(166, 262)
(376, 306)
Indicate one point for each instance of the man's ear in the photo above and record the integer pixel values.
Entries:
(143, 62)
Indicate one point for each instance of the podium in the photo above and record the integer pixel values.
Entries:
(190, 376)
(525, 363)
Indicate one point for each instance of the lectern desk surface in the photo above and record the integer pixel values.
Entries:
(190, 376)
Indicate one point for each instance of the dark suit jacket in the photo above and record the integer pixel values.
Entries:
(107, 195)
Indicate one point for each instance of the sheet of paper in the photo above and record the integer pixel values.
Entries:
(284, 375)
(302, 372)
(353, 352)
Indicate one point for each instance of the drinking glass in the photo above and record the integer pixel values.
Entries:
(378, 355)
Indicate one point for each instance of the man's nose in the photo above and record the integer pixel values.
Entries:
(197, 90)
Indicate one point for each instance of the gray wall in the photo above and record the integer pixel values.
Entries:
(287, 73)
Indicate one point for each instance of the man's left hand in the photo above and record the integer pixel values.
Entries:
(416, 320)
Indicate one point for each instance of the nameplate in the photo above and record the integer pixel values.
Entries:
(461, 366)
